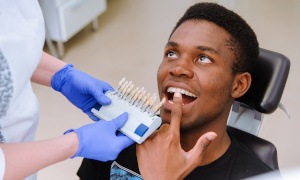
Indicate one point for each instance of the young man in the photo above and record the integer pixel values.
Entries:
(207, 64)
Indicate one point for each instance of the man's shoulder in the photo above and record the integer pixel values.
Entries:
(238, 162)
(247, 163)
(249, 158)
(245, 152)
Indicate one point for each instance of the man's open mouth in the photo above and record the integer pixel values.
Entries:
(187, 97)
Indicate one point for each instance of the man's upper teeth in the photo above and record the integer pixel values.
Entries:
(182, 91)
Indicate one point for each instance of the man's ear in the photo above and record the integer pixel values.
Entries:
(241, 84)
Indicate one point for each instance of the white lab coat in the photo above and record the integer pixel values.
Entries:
(22, 36)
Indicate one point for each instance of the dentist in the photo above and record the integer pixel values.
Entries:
(22, 61)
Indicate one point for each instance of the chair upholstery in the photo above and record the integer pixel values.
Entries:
(268, 81)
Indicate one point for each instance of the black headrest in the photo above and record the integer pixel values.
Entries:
(268, 82)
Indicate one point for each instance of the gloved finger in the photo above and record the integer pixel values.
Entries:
(125, 141)
(99, 95)
(101, 98)
(107, 87)
(120, 121)
(92, 116)
(119, 133)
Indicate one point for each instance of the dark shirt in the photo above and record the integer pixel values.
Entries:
(237, 162)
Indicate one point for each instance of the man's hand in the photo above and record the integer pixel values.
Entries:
(161, 155)
(81, 89)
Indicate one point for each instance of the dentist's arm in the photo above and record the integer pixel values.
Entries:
(45, 70)
(81, 89)
(98, 140)
(24, 159)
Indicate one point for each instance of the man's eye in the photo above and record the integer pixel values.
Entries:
(205, 59)
(171, 54)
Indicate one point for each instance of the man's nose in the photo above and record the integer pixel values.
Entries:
(182, 69)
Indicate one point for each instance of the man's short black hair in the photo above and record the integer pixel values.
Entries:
(243, 41)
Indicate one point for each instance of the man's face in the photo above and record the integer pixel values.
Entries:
(197, 62)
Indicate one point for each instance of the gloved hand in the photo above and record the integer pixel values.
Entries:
(99, 140)
(81, 89)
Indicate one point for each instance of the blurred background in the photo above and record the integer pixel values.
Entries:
(127, 38)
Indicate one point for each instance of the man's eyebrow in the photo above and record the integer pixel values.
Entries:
(172, 43)
(205, 48)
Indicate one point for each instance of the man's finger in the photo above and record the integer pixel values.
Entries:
(176, 113)
(205, 140)
(201, 145)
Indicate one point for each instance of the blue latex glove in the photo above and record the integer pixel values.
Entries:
(81, 89)
(100, 140)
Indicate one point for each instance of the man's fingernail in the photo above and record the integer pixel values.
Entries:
(211, 137)
(177, 95)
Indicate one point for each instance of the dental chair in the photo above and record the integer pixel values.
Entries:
(263, 97)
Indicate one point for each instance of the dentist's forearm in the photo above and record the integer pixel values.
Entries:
(47, 67)
(24, 159)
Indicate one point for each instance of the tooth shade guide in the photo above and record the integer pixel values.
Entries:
(140, 98)
(144, 100)
(152, 99)
(121, 83)
(128, 91)
(126, 87)
(122, 88)
(158, 106)
(134, 91)
(139, 107)
(135, 95)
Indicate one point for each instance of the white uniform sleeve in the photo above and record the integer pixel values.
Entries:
(2, 164)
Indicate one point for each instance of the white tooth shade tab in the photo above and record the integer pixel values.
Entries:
(182, 91)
